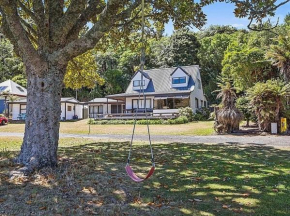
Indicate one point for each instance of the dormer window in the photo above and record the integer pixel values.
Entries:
(137, 83)
(178, 80)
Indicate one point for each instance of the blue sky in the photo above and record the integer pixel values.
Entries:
(222, 14)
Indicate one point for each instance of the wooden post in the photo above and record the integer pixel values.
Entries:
(83, 117)
(107, 106)
(64, 111)
(117, 106)
(8, 110)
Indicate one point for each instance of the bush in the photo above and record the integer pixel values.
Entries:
(179, 120)
(186, 112)
(268, 101)
(202, 114)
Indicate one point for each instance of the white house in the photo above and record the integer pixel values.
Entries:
(8, 88)
(70, 108)
(166, 90)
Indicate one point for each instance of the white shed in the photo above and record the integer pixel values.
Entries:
(70, 109)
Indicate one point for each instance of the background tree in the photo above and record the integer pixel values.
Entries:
(82, 72)
(10, 64)
(244, 61)
(268, 101)
(279, 54)
(243, 104)
(211, 54)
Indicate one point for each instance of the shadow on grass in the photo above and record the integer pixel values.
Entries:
(190, 179)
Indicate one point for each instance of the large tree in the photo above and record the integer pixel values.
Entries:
(47, 34)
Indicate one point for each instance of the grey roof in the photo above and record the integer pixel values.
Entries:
(102, 100)
(144, 74)
(160, 94)
(161, 80)
(68, 100)
(12, 88)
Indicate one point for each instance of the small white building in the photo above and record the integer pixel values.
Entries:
(70, 109)
(8, 89)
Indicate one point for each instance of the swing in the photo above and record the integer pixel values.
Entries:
(128, 168)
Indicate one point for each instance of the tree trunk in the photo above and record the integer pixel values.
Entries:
(248, 123)
(40, 143)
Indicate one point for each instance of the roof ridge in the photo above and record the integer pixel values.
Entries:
(171, 67)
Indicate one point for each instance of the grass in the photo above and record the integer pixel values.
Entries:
(81, 127)
(190, 179)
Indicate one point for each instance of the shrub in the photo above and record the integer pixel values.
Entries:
(187, 112)
(179, 120)
(243, 104)
(268, 101)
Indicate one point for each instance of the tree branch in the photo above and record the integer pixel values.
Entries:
(105, 22)
(27, 11)
(20, 38)
(91, 11)
(69, 19)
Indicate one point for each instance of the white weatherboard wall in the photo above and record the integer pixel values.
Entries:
(15, 111)
(79, 111)
(69, 114)
(179, 73)
(138, 77)
(129, 102)
(197, 93)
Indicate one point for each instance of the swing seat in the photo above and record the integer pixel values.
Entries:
(134, 177)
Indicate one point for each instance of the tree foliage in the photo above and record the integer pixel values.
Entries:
(228, 116)
(268, 101)
(245, 61)
(279, 54)
(82, 72)
(10, 64)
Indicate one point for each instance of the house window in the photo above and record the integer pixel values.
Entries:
(137, 83)
(196, 103)
(178, 80)
(204, 103)
(179, 103)
(19, 88)
(141, 104)
(69, 108)
(22, 109)
(171, 103)
(198, 84)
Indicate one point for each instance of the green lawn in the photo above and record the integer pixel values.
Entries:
(190, 179)
(81, 127)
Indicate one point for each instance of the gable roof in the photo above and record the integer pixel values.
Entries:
(142, 72)
(69, 99)
(180, 69)
(160, 82)
(12, 88)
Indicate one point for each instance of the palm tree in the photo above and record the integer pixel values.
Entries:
(279, 54)
(228, 116)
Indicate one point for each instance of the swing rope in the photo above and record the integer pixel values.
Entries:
(129, 170)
